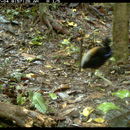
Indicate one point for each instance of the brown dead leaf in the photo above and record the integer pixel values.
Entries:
(64, 105)
(89, 124)
(126, 82)
(62, 87)
(28, 56)
(68, 112)
(78, 99)
(1, 82)
(78, 39)
(101, 10)
(95, 95)
(77, 121)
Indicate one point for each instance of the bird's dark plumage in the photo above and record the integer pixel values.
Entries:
(97, 56)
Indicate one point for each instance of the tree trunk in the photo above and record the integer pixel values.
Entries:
(120, 32)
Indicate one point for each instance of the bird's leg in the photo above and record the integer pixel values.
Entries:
(99, 74)
(91, 76)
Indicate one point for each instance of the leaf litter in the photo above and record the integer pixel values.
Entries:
(57, 72)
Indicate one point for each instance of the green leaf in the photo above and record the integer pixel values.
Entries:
(1, 86)
(20, 99)
(112, 59)
(37, 40)
(35, 43)
(39, 102)
(53, 96)
(17, 75)
(107, 106)
(73, 48)
(65, 42)
(122, 93)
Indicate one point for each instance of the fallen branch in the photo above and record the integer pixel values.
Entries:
(24, 117)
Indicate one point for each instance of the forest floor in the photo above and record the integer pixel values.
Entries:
(52, 64)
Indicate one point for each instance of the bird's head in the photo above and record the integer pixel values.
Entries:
(107, 41)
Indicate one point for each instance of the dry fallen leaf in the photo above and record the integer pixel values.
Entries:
(99, 120)
(31, 75)
(87, 111)
(62, 87)
(72, 24)
(28, 56)
(49, 66)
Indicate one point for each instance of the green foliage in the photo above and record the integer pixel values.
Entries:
(29, 13)
(39, 102)
(17, 75)
(120, 116)
(70, 47)
(122, 93)
(73, 49)
(107, 106)
(3, 66)
(20, 99)
(54, 5)
(65, 42)
(5, 62)
(37, 40)
(1, 88)
(53, 96)
(11, 13)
